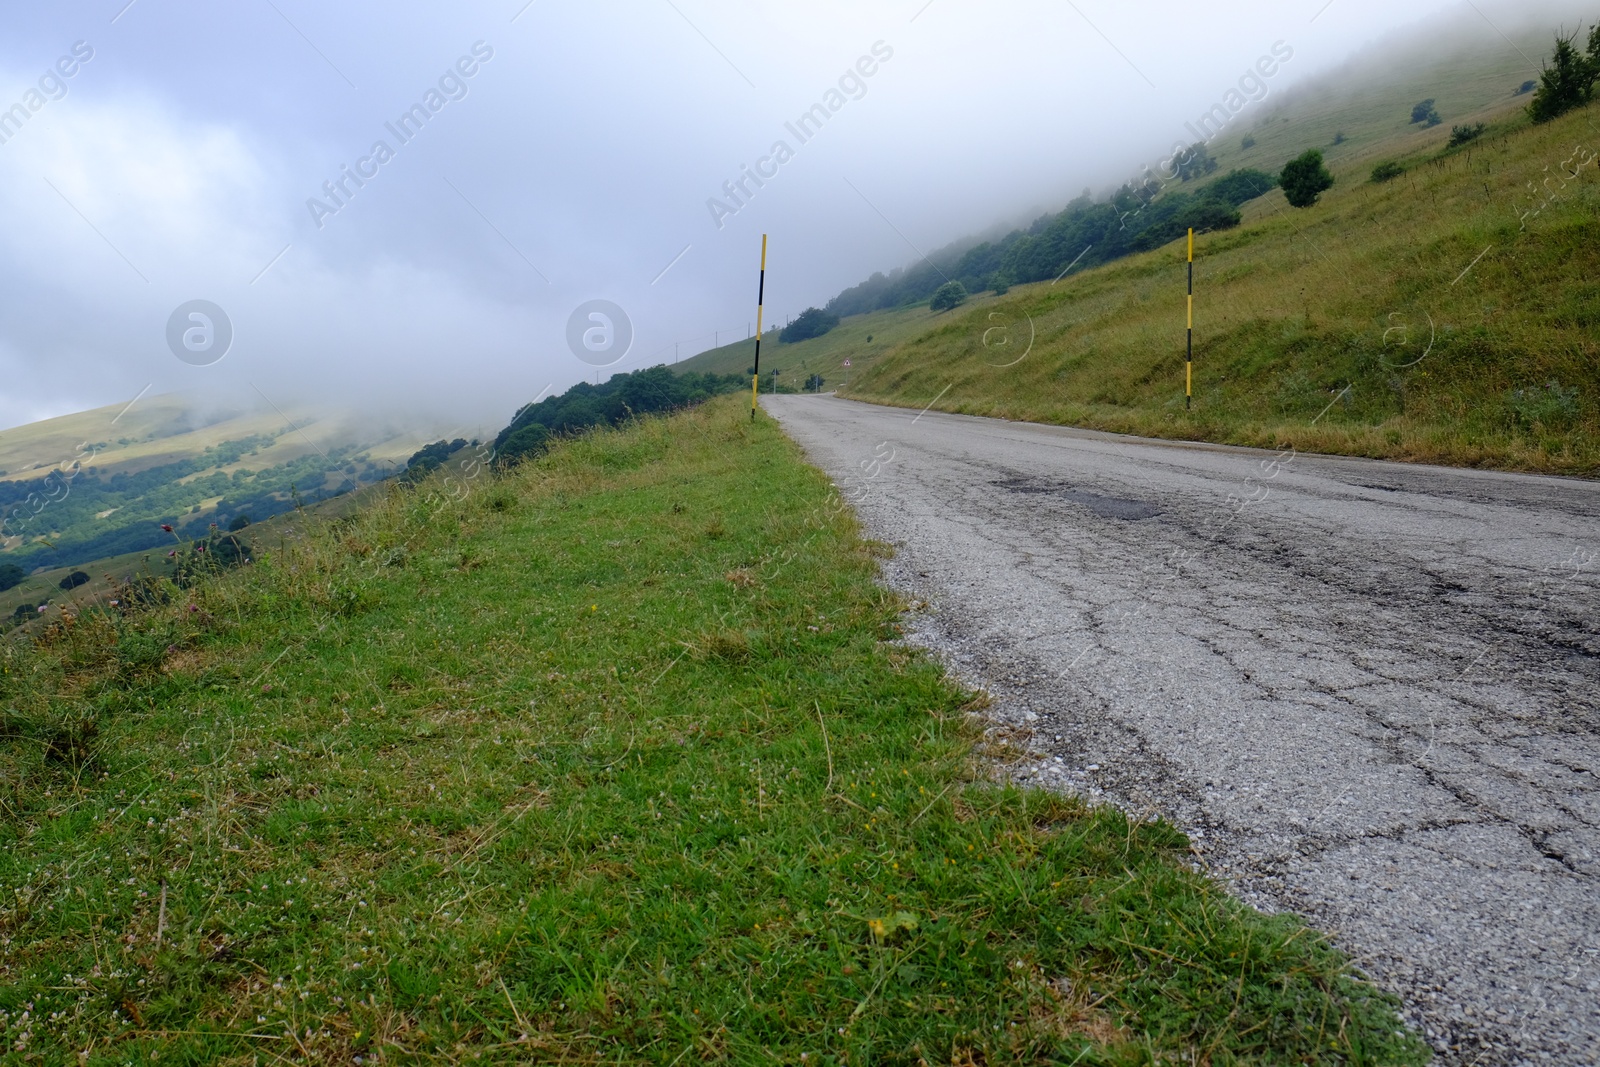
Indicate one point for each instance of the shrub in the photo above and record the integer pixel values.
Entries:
(947, 296)
(1247, 141)
(812, 322)
(1460, 135)
(1304, 178)
(1421, 111)
(11, 576)
(814, 383)
(1525, 87)
(1339, 138)
(1387, 171)
(239, 522)
(73, 580)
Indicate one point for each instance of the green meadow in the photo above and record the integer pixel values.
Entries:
(615, 757)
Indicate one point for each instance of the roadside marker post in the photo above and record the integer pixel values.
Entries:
(1188, 360)
(761, 299)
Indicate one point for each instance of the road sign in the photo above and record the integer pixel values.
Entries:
(847, 363)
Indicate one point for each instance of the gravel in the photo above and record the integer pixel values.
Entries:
(1366, 690)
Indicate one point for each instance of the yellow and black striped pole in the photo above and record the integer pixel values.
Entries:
(1188, 361)
(761, 299)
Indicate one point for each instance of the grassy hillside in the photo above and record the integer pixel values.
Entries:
(1373, 300)
(821, 355)
(609, 758)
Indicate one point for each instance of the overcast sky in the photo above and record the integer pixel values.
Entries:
(574, 162)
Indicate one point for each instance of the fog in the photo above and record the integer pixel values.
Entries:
(398, 211)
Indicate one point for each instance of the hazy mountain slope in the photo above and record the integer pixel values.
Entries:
(100, 483)
(1375, 299)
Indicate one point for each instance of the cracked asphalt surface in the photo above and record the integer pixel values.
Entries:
(1367, 690)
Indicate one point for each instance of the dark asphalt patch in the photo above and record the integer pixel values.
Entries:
(1107, 507)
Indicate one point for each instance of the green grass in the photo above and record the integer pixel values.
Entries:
(820, 355)
(613, 758)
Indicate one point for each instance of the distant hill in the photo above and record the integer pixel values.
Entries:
(100, 483)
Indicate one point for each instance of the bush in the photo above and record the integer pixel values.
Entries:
(814, 383)
(812, 322)
(1525, 87)
(1304, 178)
(239, 522)
(947, 296)
(530, 440)
(1421, 111)
(1247, 141)
(1460, 135)
(11, 576)
(1387, 171)
(73, 580)
(1339, 137)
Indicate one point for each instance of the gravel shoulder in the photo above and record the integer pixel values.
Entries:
(1367, 690)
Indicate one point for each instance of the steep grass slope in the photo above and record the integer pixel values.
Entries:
(608, 760)
(1433, 317)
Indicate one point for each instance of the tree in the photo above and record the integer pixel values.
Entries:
(239, 522)
(1304, 178)
(812, 322)
(73, 580)
(1421, 111)
(1196, 162)
(1567, 80)
(947, 296)
(11, 576)
(430, 458)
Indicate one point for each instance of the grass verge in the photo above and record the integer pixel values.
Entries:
(611, 758)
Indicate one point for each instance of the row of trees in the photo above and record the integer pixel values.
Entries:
(621, 397)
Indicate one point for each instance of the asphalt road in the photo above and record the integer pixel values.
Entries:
(1367, 690)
